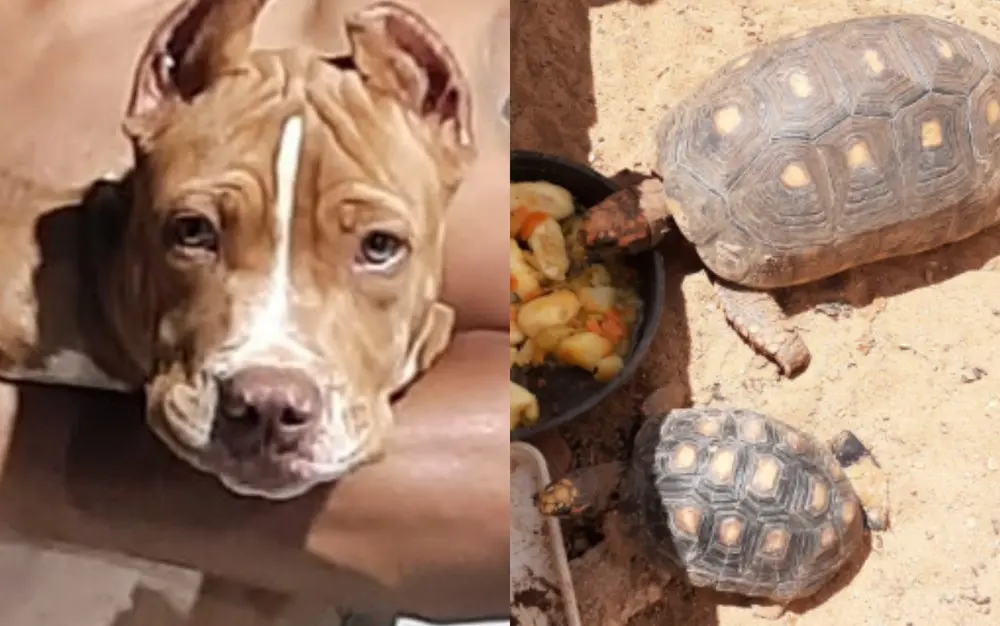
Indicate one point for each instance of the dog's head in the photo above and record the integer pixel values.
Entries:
(282, 259)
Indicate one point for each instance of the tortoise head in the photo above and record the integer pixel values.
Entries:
(588, 490)
(867, 478)
(633, 219)
(561, 499)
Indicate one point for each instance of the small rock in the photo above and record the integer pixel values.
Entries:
(834, 310)
(717, 394)
(970, 593)
(972, 374)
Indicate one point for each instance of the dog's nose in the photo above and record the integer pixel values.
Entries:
(267, 409)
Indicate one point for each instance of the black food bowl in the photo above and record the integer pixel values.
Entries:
(569, 392)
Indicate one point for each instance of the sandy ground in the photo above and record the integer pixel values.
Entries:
(911, 366)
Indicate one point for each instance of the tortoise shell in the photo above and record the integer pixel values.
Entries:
(740, 502)
(850, 143)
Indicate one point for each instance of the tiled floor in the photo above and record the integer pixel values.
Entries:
(50, 588)
(53, 588)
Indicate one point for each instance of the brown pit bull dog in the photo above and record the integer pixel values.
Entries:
(425, 530)
(271, 268)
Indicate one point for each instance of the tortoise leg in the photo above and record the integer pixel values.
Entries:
(662, 401)
(611, 592)
(619, 545)
(758, 318)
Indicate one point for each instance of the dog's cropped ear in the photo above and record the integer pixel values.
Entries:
(399, 53)
(192, 46)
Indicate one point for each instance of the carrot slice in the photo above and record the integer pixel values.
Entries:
(531, 221)
(614, 336)
(513, 283)
(594, 326)
(517, 217)
(613, 327)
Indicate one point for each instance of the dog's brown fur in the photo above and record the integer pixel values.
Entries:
(382, 141)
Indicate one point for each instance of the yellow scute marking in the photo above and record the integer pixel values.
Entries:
(795, 176)
(709, 427)
(775, 541)
(819, 499)
(858, 155)
(945, 49)
(800, 85)
(688, 520)
(874, 61)
(753, 430)
(848, 512)
(723, 465)
(685, 457)
(727, 120)
(931, 134)
(765, 476)
(992, 112)
(730, 531)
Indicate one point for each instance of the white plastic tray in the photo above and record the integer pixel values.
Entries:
(409, 621)
(541, 590)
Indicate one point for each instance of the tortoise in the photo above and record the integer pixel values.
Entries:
(847, 144)
(735, 500)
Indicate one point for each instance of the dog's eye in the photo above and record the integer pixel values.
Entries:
(192, 231)
(380, 249)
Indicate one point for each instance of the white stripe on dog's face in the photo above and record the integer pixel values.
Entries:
(270, 323)
(267, 335)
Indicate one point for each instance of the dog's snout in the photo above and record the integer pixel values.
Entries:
(268, 409)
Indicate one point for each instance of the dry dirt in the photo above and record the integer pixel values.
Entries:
(912, 365)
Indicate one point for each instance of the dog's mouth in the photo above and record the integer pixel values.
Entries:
(261, 458)
(273, 479)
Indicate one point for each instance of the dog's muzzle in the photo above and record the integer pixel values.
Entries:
(264, 430)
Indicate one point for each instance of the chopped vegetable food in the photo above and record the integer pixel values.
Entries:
(564, 309)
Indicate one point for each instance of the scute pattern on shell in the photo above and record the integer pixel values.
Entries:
(853, 142)
(740, 502)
